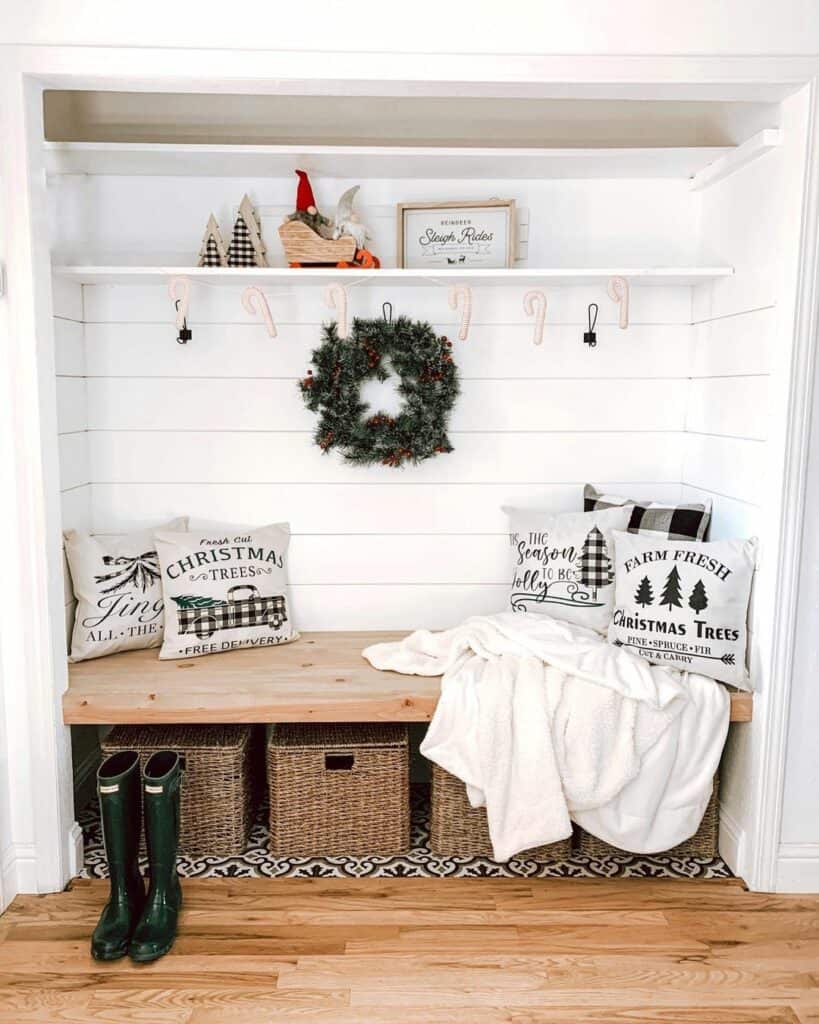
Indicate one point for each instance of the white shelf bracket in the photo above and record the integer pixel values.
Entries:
(743, 154)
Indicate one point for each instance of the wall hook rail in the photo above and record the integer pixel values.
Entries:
(460, 295)
(179, 289)
(335, 296)
(534, 304)
(618, 292)
(590, 337)
(254, 301)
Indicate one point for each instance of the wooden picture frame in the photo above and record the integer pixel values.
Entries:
(461, 234)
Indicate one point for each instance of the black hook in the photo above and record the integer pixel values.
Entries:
(590, 338)
(185, 334)
(384, 308)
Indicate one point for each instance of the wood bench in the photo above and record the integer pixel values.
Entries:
(320, 678)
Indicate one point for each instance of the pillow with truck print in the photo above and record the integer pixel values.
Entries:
(564, 564)
(119, 595)
(225, 588)
(684, 604)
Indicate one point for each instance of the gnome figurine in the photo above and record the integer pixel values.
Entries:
(306, 210)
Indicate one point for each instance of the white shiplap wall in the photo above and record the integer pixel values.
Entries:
(217, 429)
(735, 440)
(72, 418)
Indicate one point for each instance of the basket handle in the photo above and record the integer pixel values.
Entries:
(339, 762)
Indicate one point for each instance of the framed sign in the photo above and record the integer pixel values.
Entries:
(446, 236)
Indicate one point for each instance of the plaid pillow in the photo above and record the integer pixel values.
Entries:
(654, 518)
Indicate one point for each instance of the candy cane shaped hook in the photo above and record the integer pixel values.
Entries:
(618, 292)
(460, 294)
(251, 297)
(335, 296)
(534, 304)
(179, 289)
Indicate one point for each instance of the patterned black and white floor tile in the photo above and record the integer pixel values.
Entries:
(419, 862)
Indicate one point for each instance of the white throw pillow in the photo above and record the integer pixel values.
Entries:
(564, 564)
(225, 588)
(118, 591)
(684, 603)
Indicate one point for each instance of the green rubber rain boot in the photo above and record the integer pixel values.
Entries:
(156, 931)
(119, 794)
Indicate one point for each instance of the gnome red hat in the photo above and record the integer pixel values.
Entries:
(305, 200)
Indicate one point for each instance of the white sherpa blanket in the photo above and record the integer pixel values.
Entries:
(547, 722)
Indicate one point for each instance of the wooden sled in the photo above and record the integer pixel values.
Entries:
(304, 247)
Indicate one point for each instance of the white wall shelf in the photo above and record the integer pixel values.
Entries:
(330, 275)
(736, 158)
(361, 162)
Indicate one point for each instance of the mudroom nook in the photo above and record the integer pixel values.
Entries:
(410, 475)
(670, 253)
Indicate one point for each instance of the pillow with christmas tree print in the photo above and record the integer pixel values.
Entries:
(119, 595)
(684, 603)
(225, 587)
(564, 564)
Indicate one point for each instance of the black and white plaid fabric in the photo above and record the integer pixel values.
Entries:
(594, 566)
(654, 518)
(211, 257)
(254, 611)
(241, 252)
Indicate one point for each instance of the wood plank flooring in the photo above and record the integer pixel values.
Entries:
(424, 951)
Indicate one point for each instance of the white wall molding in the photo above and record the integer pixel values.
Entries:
(387, 73)
(732, 842)
(8, 876)
(75, 847)
(18, 870)
(797, 868)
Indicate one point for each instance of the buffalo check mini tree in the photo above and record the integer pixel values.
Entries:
(246, 246)
(594, 568)
(213, 252)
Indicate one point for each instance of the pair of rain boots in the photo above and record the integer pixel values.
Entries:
(142, 926)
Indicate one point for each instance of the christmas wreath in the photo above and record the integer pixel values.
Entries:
(428, 384)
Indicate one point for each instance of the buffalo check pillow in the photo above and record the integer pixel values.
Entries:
(655, 518)
(684, 604)
(564, 564)
(118, 591)
(224, 588)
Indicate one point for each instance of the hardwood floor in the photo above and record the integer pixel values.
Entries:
(476, 951)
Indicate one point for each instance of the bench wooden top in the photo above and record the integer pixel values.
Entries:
(319, 678)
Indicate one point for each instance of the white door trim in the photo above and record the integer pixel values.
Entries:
(41, 851)
(764, 870)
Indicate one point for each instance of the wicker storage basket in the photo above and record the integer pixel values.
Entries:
(459, 830)
(704, 842)
(215, 801)
(338, 789)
